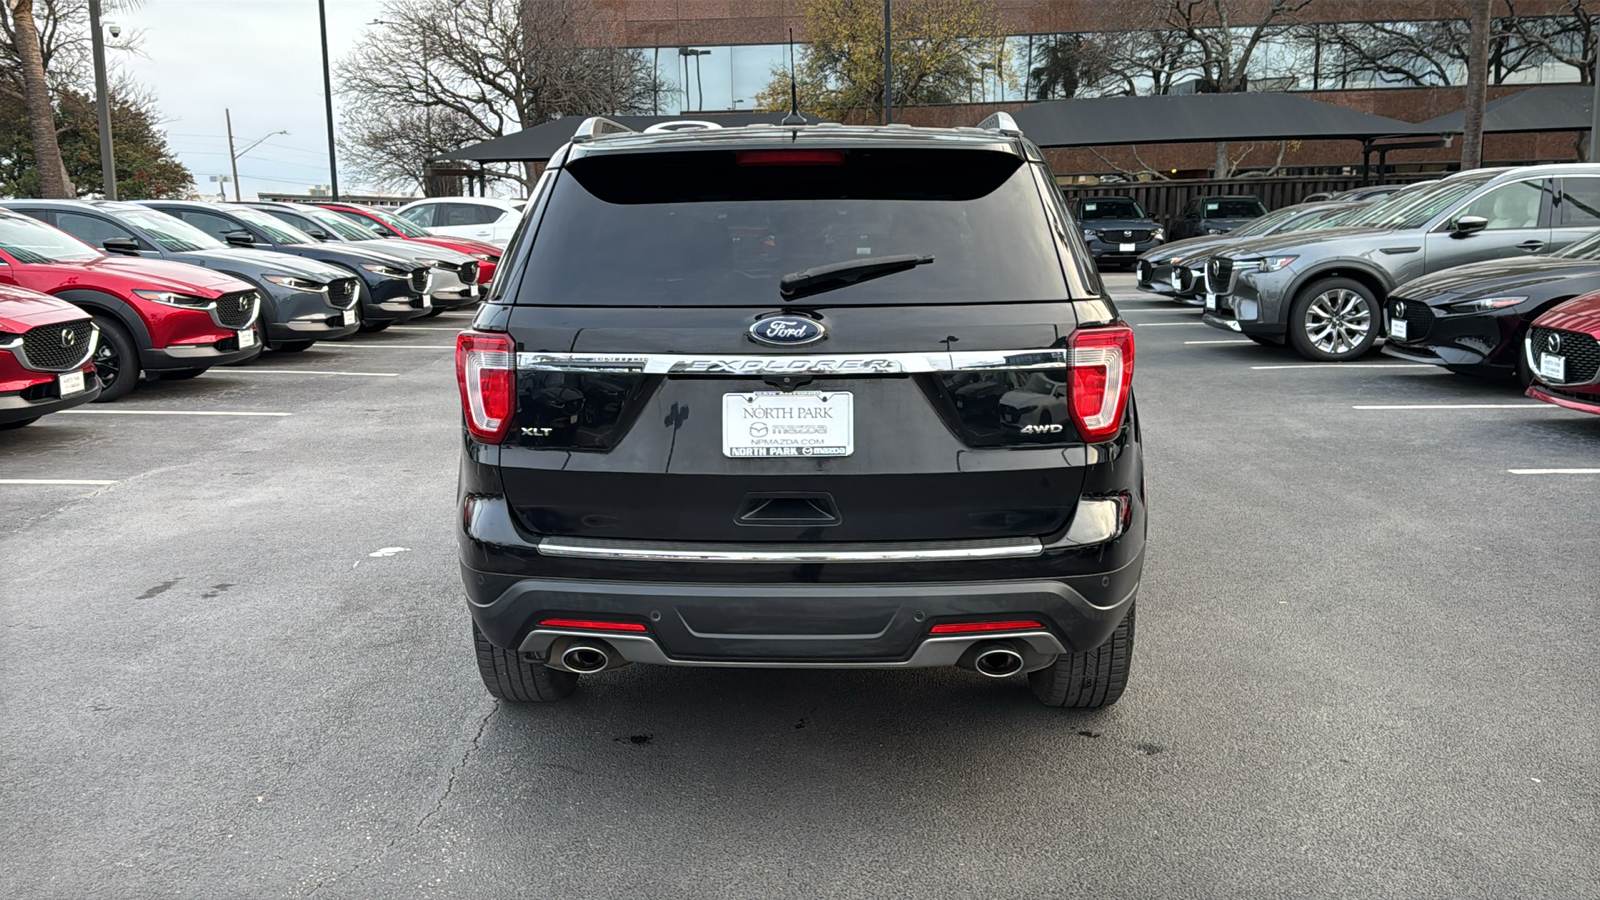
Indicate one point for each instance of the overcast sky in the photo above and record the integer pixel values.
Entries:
(260, 58)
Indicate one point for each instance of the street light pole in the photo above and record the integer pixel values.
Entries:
(233, 158)
(1594, 114)
(102, 102)
(327, 97)
(888, 70)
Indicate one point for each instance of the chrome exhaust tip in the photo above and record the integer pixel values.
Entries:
(585, 658)
(997, 661)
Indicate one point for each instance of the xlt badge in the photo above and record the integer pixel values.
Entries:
(787, 331)
(537, 432)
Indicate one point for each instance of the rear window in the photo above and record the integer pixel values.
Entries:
(721, 228)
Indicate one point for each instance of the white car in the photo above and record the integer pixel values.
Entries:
(485, 218)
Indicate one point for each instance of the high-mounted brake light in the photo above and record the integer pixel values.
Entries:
(1102, 377)
(790, 157)
(984, 627)
(591, 625)
(486, 371)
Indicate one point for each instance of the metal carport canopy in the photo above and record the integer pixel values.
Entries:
(1195, 118)
(540, 142)
(1554, 108)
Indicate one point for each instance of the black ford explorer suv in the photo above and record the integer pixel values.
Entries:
(808, 396)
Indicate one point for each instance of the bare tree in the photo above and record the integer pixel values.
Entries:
(1477, 84)
(467, 70)
(24, 33)
(1419, 54)
(1568, 37)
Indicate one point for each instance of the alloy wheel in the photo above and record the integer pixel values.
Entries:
(107, 363)
(1338, 320)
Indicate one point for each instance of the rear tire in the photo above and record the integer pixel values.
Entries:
(1088, 680)
(1327, 320)
(8, 426)
(116, 357)
(509, 676)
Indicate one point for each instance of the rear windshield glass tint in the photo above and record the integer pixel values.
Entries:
(700, 229)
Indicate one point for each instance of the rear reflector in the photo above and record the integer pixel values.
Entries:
(591, 625)
(1102, 377)
(790, 157)
(982, 627)
(485, 370)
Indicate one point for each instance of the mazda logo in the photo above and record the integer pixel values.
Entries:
(1554, 343)
(69, 339)
(786, 330)
(1400, 310)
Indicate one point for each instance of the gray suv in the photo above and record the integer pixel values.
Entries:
(1322, 292)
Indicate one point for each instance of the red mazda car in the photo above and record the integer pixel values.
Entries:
(167, 318)
(383, 224)
(1563, 348)
(46, 347)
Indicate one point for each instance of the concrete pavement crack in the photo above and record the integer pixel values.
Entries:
(449, 787)
(97, 492)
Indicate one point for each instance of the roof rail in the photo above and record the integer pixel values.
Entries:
(682, 125)
(1003, 123)
(598, 126)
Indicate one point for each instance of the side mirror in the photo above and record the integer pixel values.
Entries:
(1468, 225)
(240, 238)
(377, 229)
(319, 234)
(122, 245)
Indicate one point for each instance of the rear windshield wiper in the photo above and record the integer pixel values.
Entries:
(817, 279)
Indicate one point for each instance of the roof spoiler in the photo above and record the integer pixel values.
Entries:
(598, 126)
(1002, 123)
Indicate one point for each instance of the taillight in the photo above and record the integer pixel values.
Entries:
(1102, 376)
(486, 371)
(591, 625)
(985, 627)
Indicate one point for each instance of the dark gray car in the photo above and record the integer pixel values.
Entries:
(302, 300)
(1323, 292)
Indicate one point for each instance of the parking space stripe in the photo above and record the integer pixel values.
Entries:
(1159, 324)
(254, 371)
(1245, 341)
(421, 328)
(397, 346)
(61, 481)
(1462, 406)
(1351, 366)
(1554, 471)
(165, 412)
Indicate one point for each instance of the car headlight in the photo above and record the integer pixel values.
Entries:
(1091, 233)
(298, 284)
(1159, 234)
(1484, 304)
(1271, 263)
(172, 298)
(385, 271)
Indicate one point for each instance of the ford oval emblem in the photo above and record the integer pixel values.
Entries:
(787, 330)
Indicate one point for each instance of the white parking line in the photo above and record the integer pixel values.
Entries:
(422, 328)
(64, 481)
(1159, 324)
(164, 412)
(1170, 308)
(1554, 471)
(254, 371)
(397, 346)
(1461, 406)
(1245, 341)
(1351, 366)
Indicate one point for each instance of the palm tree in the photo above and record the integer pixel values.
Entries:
(1061, 69)
(41, 114)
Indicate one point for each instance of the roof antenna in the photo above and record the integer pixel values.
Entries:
(794, 117)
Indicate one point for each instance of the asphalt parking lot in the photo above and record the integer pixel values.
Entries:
(236, 663)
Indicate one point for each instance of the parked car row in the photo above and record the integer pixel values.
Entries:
(100, 295)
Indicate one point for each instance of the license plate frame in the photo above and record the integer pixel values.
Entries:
(1398, 329)
(788, 424)
(1211, 302)
(1127, 248)
(247, 339)
(69, 383)
(1552, 367)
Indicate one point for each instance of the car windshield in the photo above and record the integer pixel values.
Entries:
(1232, 208)
(338, 225)
(1414, 210)
(1109, 208)
(1337, 218)
(277, 230)
(399, 225)
(29, 241)
(170, 232)
(1588, 248)
(1268, 223)
(722, 228)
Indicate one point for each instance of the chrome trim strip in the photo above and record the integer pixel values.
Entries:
(793, 364)
(933, 652)
(677, 551)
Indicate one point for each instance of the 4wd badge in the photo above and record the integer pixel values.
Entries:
(1041, 429)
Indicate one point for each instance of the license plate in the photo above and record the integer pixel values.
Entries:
(797, 423)
(1552, 367)
(247, 339)
(1175, 284)
(71, 383)
(1397, 329)
(1127, 248)
(1211, 301)
(427, 301)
